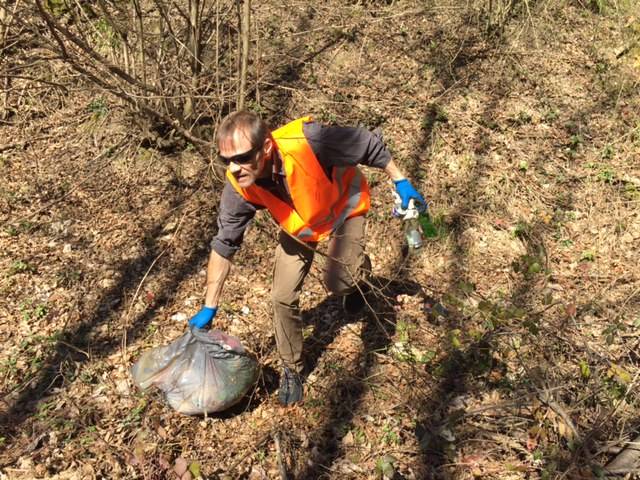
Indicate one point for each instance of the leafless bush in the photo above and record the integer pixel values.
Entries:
(168, 60)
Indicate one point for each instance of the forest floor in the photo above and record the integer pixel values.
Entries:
(507, 348)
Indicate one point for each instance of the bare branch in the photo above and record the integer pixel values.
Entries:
(55, 26)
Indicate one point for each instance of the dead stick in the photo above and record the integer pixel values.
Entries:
(281, 466)
(259, 443)
(627, 461)
(108, 155)
(12, 146)
(546, 398)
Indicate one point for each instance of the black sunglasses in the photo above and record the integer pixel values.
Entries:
(240, 159)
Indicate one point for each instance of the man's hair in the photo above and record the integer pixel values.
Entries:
(255, 128)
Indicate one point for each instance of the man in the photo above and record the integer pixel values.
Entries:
(306, 175)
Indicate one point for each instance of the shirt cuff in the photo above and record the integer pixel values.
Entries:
(223, 249)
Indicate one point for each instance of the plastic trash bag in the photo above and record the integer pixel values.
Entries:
(203, 371)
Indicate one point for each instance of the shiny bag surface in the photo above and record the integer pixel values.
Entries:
(203, 371)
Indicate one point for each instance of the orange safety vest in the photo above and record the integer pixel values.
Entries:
(320, 205)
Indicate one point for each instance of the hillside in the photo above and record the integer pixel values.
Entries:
(506, 349)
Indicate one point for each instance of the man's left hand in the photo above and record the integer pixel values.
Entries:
(203, 317)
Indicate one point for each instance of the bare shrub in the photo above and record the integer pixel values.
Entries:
(162, 58)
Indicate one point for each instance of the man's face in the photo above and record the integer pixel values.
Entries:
(245, 162)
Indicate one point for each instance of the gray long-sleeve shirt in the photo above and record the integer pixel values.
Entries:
(332, 146)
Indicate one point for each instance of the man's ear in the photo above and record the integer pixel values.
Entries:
(268, 146)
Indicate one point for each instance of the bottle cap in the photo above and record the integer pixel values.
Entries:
(412, 211)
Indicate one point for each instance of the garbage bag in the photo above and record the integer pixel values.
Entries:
(203, 371)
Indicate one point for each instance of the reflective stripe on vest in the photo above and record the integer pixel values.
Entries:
(321, 205)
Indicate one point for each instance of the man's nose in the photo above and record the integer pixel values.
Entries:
(234, 167)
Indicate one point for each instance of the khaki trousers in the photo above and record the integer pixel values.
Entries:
(343, 270)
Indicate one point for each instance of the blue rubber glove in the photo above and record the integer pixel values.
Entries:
(407, 192)
(203, 317)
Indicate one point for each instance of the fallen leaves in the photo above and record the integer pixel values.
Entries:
(493, 203)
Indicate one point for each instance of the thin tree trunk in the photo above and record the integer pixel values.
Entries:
(256, 68)
(132, 51)
(4, 28)
(194, 51)
(245, 29)
(218, 47)
(161, 36)
(3, 23)
(125, 57)
(143, 59)
(4, 113)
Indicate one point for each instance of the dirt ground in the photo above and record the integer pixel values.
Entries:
(506, 349)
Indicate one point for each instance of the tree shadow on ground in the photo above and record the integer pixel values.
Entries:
(462, 367)
(276, 92)
(380, 307)
(462, 371)
(82, 343)
(459, 367)
(346, 394)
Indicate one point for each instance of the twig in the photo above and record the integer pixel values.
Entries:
(105, 153)
(626, 49)
(261, 441)
(546, 398)
(12, 146)
(73, 347)
(281, 466)
(627, 461)
(137, 292)
(38, 80)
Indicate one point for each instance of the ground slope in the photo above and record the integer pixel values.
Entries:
(505, 349)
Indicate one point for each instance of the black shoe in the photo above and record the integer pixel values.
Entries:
(291, 390)
(355, 301)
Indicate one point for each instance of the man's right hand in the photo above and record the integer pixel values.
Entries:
(203, 317)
